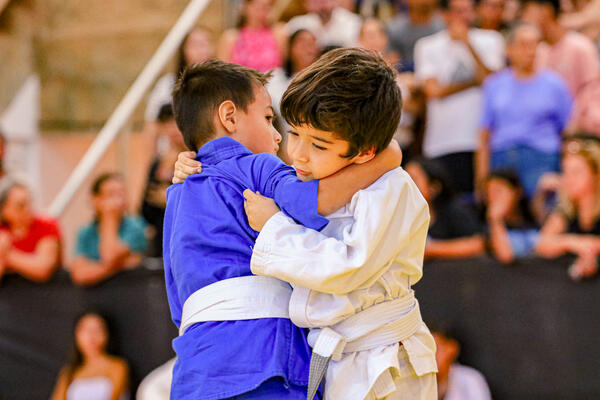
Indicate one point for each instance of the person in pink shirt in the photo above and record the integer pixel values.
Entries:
(254, 43)
(570, 54)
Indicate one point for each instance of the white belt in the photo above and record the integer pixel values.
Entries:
(379, 325)
(246, 297)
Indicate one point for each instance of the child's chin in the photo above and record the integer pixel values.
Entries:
(305, 178)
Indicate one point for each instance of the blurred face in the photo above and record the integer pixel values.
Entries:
(18, 209)
(316, 154)
(91, 335)
(257, 11)
(578, 178)
(500, 190)
(421, 180)
(460, 11)
(537, 14)
(255, 128)
(523, 49)
(373, 36)
(304, 50)
(198, 47)
(112, 196)
(492, 11)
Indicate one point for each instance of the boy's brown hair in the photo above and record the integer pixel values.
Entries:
(201, 89)
(350, 92)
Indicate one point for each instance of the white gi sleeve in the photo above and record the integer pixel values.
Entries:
(390, 217)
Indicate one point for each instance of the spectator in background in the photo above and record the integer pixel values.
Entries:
(512, 230)
(303, 51)
(159, 178)
(374, 37)
(92, 373)
(29, 244)
(255, 43)
(454, 231)
(490, 15)
(113, 241)
(196, 48)
(524, 114)
(574, 227)
(332, 25)
(452, 64)
(584, 19)
(572, 55)
(406, 29)
(456, 381)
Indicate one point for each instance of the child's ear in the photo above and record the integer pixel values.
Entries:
(364, 156)
(227, 116)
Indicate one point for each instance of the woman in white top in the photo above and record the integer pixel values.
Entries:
(92, 373)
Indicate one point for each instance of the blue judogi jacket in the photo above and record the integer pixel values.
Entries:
(207, 239)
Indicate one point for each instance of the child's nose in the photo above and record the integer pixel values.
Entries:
(278, 136)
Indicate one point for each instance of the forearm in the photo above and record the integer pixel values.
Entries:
(110, 246)
(482, 67)
(555, 245)
(434, 90)
(500, 241)
(36, 267)
(86, 272)
(455, 248)
(482, 157)
(338, 189)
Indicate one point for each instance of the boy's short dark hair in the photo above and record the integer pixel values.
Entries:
(555, 4)
(99, 181)
(350, 92)
(200, 90)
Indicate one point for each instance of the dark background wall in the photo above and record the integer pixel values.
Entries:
(528, 328)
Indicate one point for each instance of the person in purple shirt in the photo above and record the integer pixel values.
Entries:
(225, 114)
(525, 113)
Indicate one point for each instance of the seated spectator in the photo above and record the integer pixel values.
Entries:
(456, 381)
(92, 373)
(405, 29)
(113, 241)
(524, 114)
(196, 48)
(29, 244)
(454, 231)
(574, 227)
(452, 64)
(571, 54)
(332, 25)
(254, 43)
(511, 227)
(584, 18)
(159, 178)
(374, 37)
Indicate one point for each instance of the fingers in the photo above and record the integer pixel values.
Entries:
(248, 194)
(179, 177)
(188, 159)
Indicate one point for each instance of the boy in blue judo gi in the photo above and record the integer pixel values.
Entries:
(236, 339)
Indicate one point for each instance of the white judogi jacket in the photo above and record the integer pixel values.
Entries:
(370, 252)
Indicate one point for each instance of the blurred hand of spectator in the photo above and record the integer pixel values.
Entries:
(112, 242)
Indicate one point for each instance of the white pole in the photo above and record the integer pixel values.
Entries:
(126, 107)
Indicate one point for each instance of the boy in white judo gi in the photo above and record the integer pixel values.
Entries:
(351, 281)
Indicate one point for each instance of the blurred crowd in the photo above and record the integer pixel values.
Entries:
(500, 130)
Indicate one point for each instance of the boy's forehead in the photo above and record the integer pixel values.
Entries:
(262, 97)
(324, 136)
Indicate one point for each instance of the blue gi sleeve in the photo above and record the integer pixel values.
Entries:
(297, 199)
